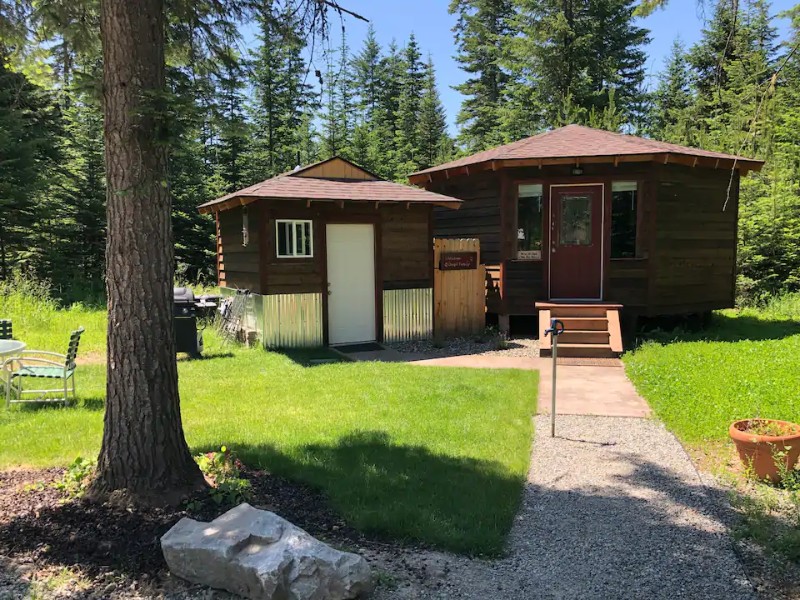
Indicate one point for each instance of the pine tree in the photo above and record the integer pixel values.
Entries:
(338, 110)
(83, 190)
(29, 128)
(672, 100)
(368, 76)
(483, 34)
(433, 142)
(371, 131)
(718, 47)
(408, 109)
(232, 130)
(195, 173)
(616, 54)
(574, 53)
(282, 100)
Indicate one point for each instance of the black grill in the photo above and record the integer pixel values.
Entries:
(184, 308)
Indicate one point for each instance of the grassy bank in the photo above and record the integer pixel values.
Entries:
(435, 455)
(745, 364)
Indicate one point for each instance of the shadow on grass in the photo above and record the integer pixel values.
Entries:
(92, 403)
(388, 491)
(657, 538)
(405, 492)
(312, 357)
(720, 328)
(205, 357)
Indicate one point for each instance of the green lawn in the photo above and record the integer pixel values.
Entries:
(746, 364)
(430, 454)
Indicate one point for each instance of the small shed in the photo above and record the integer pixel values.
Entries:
(580, 216)
(333, 254)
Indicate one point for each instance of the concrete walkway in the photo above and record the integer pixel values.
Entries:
(580, 390)
(613, 508)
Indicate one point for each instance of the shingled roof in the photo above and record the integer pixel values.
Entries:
(332, 180)
(576, 144)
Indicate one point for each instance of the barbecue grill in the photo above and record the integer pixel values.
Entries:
(187, 337)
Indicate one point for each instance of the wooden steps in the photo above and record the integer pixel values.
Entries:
(591, 330)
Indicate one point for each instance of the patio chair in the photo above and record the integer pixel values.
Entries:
(5, 330)
(41, 365)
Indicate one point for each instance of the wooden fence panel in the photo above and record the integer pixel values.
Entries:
(459, 295)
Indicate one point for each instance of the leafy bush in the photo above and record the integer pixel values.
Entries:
(223, 472)
(76, 479)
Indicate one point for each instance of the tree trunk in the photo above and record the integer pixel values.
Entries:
(144, 458)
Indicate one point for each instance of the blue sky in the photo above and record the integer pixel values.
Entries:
(431, 23)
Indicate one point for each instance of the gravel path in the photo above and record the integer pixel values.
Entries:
(614, 508)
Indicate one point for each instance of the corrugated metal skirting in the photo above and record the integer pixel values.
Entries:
(292, 320)
(407, 315)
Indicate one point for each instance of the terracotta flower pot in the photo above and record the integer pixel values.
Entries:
(763, 453)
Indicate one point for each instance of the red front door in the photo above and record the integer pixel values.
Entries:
(576, 242)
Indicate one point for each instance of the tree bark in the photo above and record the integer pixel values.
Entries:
(144, 458)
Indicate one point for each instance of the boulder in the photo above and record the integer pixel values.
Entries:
(259, 555)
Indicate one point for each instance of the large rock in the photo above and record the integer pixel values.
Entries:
(259, 555)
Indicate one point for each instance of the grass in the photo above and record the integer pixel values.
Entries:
(743, 365)
(433, 455)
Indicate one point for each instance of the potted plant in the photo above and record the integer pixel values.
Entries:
(767, 446)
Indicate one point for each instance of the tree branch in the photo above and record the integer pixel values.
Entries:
(335, 6)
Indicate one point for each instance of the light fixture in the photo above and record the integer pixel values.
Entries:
(577, 171)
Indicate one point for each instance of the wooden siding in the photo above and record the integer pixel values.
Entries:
(406, 247)
(403, 234)
(693, 258)
(628, 282)
(685, 248)
(478, 217)
(523, 285)
(336, 168)
(238, 266)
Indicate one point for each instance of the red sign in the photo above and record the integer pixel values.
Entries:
(458, 261)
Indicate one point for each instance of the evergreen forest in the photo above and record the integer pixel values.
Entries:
(243, 110)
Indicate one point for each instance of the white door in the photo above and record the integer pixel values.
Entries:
(351, 283)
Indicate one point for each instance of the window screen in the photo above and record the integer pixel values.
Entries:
(529, 221)
(293, 239)
(624, 205)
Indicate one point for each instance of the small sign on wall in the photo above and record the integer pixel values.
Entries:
(529, 255)
(458, 261)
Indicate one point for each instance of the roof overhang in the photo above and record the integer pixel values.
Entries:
(244, 200)
(741, 165)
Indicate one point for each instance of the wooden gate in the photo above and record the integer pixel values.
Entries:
(459, 288)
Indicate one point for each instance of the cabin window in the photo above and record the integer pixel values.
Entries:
(529, 222)
(294, 239)
(624, 203)
(245, 228)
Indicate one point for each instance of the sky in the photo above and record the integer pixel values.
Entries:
(432, 25)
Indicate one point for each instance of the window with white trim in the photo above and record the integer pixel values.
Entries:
(624, 200)
(529, 221)
(294, 239)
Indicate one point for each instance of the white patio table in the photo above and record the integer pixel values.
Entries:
(10, 347)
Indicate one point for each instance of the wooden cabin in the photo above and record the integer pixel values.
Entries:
(589, 224)
(333, 253)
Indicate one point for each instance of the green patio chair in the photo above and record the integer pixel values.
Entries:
(42, 366)
(6, 332)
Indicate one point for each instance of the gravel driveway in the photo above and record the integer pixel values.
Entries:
(614, 508)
